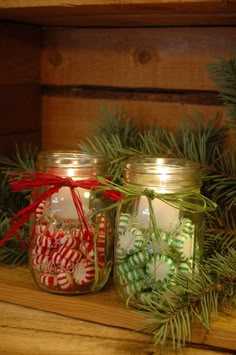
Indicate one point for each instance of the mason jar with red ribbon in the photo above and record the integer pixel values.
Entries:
(71, 228)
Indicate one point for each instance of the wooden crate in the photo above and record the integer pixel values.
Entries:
(61, 62)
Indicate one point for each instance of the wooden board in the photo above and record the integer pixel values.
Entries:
(156, 74)
(120, 13)
(147, 58)
(65, 121)
(19, 86)
(39, 332)
(105, 307)
(20, 54)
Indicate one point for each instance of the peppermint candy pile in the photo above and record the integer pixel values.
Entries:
(65, 256)
(143, 264)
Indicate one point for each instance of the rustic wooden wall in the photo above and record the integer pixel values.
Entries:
(20, 106)
(156, 74)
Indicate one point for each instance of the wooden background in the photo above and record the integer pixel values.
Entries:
(54, 80)
(156, 74)
(20, 103)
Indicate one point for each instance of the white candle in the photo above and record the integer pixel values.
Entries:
(167, 217)
(62, 202)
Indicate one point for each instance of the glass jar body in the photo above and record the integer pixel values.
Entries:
(154, 239)
(71, 253)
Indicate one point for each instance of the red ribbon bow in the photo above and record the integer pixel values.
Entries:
(54, 182)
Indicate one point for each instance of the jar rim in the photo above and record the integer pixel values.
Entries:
(70, 158)
(144, 164)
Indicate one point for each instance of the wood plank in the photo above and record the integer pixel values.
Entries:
(164, 58)
(67, 120)
(122, 13)
(38, 331)
(8, 142)
(19, 86)
(20, 108)
(19, 54)
(105, 308)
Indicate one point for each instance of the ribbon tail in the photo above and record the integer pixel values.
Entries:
(13, 231)
(22, 216)
(79, 208)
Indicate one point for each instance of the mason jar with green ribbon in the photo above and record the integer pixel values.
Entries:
(159, 226)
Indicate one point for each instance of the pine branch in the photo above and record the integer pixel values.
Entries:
(191, 299)
(12, 253)
(223, 73)
(220, 234)
(10, 202)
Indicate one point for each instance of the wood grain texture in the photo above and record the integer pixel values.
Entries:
(167, 58)
(39, 332)
(67, 120)
(103, 308)
(20, 108)
(19, 86)
(8, 142)
(19, 54)
(120, 13)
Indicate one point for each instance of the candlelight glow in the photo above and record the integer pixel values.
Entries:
(70, 172)
(163, 178)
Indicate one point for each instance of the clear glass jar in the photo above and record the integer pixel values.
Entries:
(154, 243)
(69, 254)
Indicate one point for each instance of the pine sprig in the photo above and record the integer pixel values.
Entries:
(22, 160)
(191, 299)
(223, 73)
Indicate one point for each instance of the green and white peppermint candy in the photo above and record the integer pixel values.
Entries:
(138, 260)
(184, 241)
(185, 267)
(131, 241)
(160, 267)
(132, 288)
(121, 256)
(123, 222)
(131, 276)
(124, 268)
(159, 243)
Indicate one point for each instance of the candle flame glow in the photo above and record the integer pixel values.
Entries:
(70, 172)
(163, 178)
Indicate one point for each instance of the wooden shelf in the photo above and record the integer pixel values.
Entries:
(126, 13)
(104, 308)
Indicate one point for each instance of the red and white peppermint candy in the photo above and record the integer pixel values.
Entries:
(58, 236)
(40, 262)
(89, 252)
(39, 250)
(104, 225)
(76, 233)
(43, 241)
(68, 253)
(84, 272)
(50, 231)
(65, 280)
(101, 244)
(60, 263)
(48, 279)
(41, 210)
(86, 235)
(68, 241)
(40, 228)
